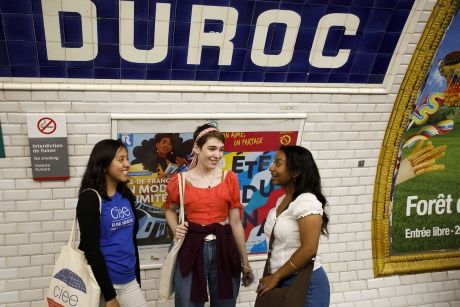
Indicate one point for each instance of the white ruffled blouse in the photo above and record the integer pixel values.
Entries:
(287, 229)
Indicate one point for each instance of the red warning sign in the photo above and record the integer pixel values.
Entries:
(46, 125)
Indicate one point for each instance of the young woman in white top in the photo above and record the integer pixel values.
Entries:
(300, 220)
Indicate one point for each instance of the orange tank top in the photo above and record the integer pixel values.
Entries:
(206, 205)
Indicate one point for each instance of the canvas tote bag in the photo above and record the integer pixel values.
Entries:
(73, 283)
(166, 287)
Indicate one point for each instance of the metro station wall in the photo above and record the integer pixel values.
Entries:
(345, 124)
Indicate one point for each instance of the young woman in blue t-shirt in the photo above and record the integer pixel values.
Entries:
(108, 234)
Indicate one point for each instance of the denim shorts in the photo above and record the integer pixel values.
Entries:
(319, 291)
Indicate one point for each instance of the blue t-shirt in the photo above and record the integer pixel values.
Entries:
(116, 239)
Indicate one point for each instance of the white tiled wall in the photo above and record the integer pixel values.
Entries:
(343, 126)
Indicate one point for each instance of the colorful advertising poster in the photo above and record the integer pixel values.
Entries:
(425, 213)
(249, 155)
(155, 157)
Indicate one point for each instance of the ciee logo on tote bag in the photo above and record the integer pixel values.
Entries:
(72, 283)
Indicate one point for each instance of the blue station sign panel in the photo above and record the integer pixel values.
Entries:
(290, 41)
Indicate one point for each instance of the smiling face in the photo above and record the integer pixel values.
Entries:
(164, 147)
(118, 168)
(280, 173)
(210, 153)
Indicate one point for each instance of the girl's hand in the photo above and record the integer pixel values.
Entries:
(112, 303)
(267, 283)
(181, 230)
(248, 277)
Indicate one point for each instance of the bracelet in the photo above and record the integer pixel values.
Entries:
(293, 264)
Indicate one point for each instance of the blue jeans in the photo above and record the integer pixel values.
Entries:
(183, 285)
(319, 291)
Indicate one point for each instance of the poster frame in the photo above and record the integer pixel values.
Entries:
(301, 116)
(384, 263)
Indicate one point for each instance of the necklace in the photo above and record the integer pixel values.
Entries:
(204, 181)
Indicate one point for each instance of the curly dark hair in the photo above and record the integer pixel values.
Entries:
(147, 152)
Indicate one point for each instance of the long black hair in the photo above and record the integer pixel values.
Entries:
(306, 178)
(99, 160)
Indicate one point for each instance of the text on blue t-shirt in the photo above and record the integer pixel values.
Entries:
(116, 238)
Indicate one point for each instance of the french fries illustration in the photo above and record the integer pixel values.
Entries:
(420, 161)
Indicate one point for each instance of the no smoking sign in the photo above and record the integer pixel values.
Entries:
(46, 125)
